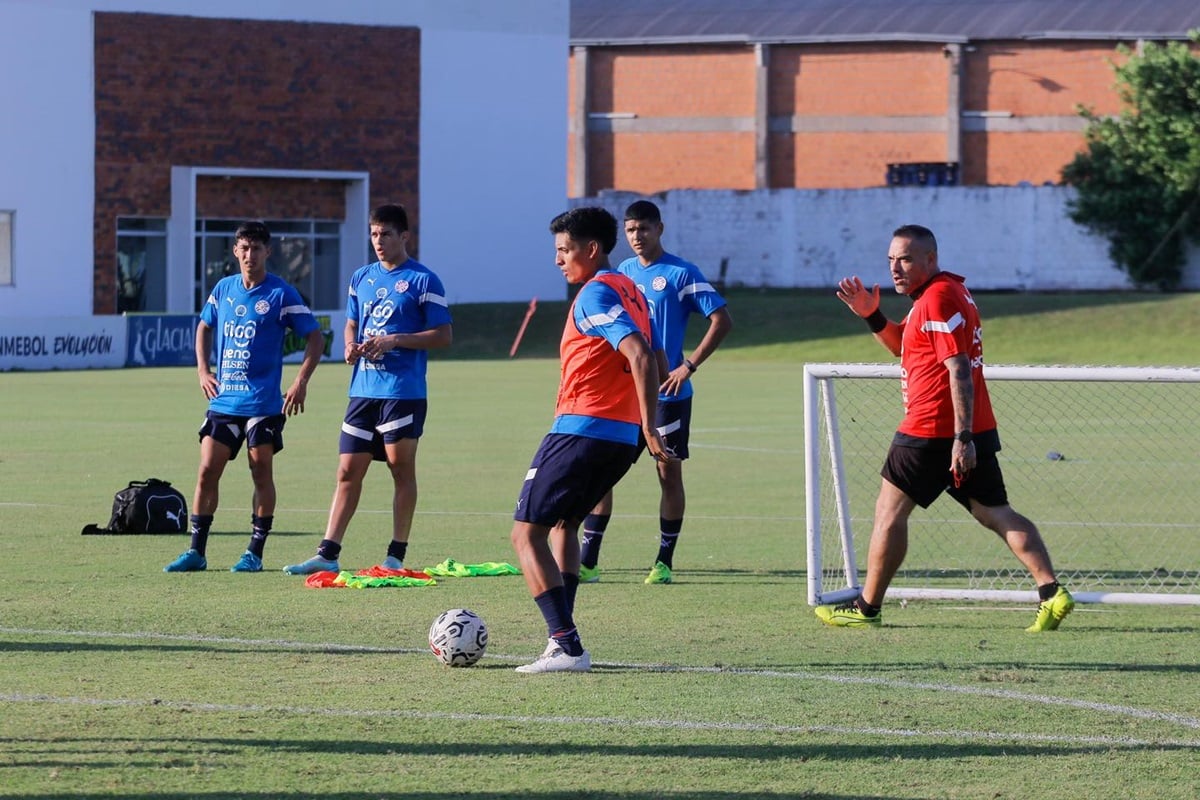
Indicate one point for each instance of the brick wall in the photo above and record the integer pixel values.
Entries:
(839, 113)
(269, 198)
(243, 93)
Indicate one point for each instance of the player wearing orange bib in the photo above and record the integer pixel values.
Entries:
(611, 367)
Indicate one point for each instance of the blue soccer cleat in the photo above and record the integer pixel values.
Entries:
(189, 561)
(314, 564)
(247, 563)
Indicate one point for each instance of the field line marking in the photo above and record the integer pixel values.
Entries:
(1002, 694)
(615, 722)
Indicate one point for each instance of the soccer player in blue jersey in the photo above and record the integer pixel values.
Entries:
(675, 289)
(612, 364)
(249, 314)
(396, 312)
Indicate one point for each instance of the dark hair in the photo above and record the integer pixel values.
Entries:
(589, 223)
(390, 214)
(254, 230)
(919, 234)
(643, 211)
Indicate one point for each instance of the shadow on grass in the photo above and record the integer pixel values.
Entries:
(49, 754)
(428, 795)
(223, 646)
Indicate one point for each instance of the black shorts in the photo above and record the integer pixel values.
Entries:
(923, 473)
(232, 431)
(568, 476)
(370, 423)
(674, 423)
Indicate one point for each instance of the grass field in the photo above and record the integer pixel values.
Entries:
(122, 681)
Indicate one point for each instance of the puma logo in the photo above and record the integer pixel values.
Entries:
(174, 517)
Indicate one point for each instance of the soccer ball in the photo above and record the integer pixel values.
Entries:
(458, 637)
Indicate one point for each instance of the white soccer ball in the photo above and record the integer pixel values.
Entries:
(458, 637)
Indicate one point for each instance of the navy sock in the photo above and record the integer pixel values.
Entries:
(397, 550)
(261, 527)
(560, 625)
(570, 588)
(200, 523)
(569, 641)
(668, 538)
(329, 550)
(1047, 591)
(593, 526)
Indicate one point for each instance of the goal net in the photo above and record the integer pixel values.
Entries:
(1105, 460)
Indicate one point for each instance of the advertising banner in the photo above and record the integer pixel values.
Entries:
(332, 324)
(133, 340)
(36, 343)
(162, 340)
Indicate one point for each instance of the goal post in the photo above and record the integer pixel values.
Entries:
(1104, 460)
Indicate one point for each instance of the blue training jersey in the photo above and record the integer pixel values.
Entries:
(406, 299)
(250, 326)
(674, 288)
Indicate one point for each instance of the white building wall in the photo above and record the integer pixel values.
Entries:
(47, 147)
(492, 160)
(998, 237)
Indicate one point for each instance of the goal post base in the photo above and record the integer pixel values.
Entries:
(1011, 596)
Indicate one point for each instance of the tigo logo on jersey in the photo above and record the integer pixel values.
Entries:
(242, 334)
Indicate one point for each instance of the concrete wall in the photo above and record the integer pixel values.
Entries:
(480, 139)
(999, 237)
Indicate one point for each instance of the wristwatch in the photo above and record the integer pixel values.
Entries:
(963, 436)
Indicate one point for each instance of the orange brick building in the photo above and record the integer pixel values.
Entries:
(672, 94)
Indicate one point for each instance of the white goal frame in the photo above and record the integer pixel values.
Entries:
(821, 414)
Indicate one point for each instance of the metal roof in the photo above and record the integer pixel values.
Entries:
(596, 22)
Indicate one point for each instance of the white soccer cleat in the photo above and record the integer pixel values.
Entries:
(555, 659)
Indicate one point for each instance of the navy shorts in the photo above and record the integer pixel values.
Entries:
(674, 423)
(232, 431)
(371, 422)
(568, 476)
(923, 473)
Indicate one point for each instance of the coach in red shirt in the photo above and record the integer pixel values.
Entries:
(947, 440)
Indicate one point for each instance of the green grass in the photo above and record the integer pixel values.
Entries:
(792, 325)
(122, 681)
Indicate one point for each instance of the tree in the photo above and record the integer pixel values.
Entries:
(1138, 181)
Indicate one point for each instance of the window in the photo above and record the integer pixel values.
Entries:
(305, 253)
(6, 248)
(141, 264)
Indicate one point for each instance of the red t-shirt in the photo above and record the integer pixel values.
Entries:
(943, 322)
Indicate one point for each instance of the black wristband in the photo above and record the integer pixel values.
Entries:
(964, 436)
(877, 321)
(690, 366)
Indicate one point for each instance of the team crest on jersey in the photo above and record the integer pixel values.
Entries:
(262, 307)
(401, 286)
(659, 283)
(239, 310)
